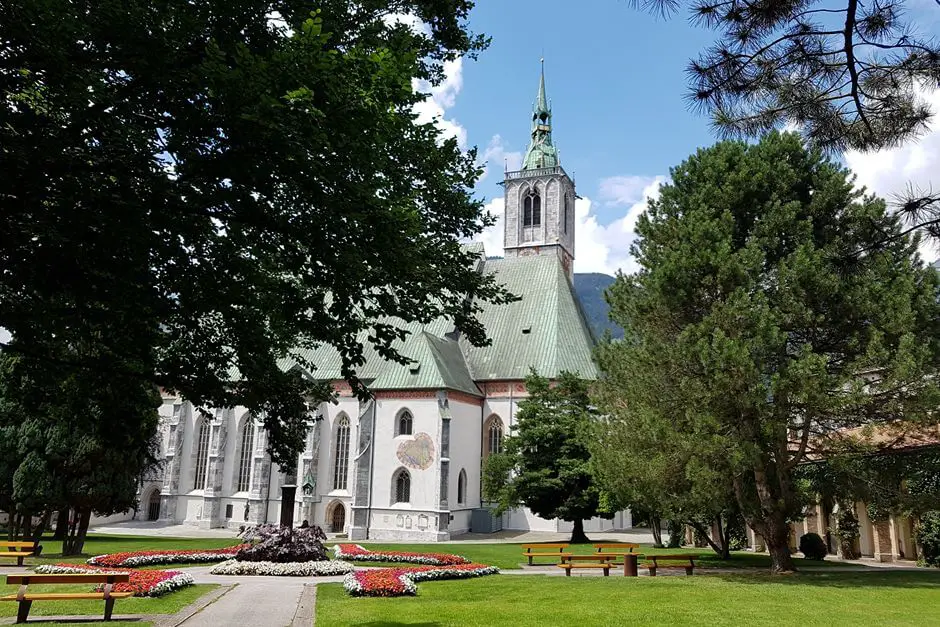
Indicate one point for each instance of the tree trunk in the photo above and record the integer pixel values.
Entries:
(75, 541)
(577, 533)
(62, 525)
(722, 538)
(656, 526)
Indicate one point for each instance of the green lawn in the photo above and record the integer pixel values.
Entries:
(510, 555)
(167, 604)
(827, 599)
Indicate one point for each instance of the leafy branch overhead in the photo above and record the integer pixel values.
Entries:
(851, 74)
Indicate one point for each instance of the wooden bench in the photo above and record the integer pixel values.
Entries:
(654, 562)
(597, 560)
(19, 550)
(619, 547)
(25, 599)
(538, 550)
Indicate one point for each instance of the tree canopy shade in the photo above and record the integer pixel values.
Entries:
(753, 338)
(200, 187)
(545, 463)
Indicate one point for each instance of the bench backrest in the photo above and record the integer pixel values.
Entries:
(535, 547)
(617, 546)
(18, 545)
(673, 558)
(597, 557)
(26, 580)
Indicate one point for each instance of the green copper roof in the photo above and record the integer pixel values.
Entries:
(541, 153)
(545, 329)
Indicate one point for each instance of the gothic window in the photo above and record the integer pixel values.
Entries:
(532, 210)
(341, 455)
(461, 487)
(202, 455)
(493, 434)
(405, 422)
(402, 485)
(565, 223)
(245, 456)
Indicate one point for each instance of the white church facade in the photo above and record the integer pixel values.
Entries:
(406, 464)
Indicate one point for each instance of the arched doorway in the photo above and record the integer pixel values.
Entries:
(153, 507)
(338, 518)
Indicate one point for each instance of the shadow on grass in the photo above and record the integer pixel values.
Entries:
(867, 579)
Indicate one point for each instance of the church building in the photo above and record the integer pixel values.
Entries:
(407, 464)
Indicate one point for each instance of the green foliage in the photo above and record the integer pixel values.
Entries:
(546, 463)
(216, 186)
(927, 533)
(750, 323)
(813, 547)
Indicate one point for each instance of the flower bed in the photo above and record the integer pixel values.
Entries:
(143, 583)
(394, 582)
(283, 569)
(148, 558)
(359, 553)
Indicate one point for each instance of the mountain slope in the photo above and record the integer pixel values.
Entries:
(590, 290)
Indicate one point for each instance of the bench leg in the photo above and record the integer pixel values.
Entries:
(530, 560)
(23, 612)
(688, 570)
(108, 608)
(652, 571)
(567, 572)
(607, 572)
(19, 561)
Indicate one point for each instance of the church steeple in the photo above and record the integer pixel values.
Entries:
(540, 197)
(541, 153)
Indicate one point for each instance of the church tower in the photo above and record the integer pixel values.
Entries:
(540, 197)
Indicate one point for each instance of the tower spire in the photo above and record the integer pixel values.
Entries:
(541, 153)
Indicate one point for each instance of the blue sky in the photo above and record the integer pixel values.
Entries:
(616, 79)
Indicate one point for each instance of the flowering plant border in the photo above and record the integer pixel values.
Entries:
(362, 554)
(143, 583)
(394, 582)
(283, 569)
(147, 558)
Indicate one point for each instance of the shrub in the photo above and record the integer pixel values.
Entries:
(848, 532)
(928, 537)
(273, 543)
(812, 547)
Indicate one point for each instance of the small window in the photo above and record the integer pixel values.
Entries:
(461, 487)
(402, 485)
(527, 211)
(228, 511)
(493, 432)
(405, 423)
(536, 210)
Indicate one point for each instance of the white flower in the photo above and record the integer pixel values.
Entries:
(285, 569)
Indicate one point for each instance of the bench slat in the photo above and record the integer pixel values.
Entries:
(63, 596)
(597, 557)
(529, 547)
(75, 578)
(16, 553)
(569, 565)
(18, 544)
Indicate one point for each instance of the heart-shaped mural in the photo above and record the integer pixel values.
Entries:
(417, 453)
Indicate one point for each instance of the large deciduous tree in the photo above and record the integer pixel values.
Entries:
(754, 330)
(198, 188)
(545, 463)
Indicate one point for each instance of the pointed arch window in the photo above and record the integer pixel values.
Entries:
(245, 455)
(493, 436)
(202, 455)
(461, 487)
(532, 209)
(341, 455)
(405, 423)
(402, 486)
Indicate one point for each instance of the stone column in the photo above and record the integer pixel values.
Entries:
(211, 499)
(260, 480)
(173, 459)
(362, 476)
(884, 541)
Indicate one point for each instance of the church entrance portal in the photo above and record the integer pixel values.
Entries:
(153, 508)
(338, 519)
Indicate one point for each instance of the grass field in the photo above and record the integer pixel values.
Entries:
(168, 604)
(830, 598)
(508, 556)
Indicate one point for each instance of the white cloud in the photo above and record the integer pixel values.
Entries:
(598, 247)
(888, 173)
(496, 156)
(441, 98)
